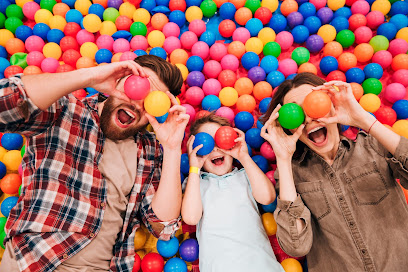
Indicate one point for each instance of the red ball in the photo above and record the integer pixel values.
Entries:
(264, 14)
(123, 23)
(227, 78)
(357, 20)
(267, 151)
(177, 5)
(374, 19)
(386, 115)
(80, 94)
(225, 137)
(336, 75)
(12, 70)
(136, 265)
(70, 57)
(71, 29)
(69, 42)
(64, 68)
(226, 28)
(152, 262)
(10, 183)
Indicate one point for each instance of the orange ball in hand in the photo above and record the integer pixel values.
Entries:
(317, 104)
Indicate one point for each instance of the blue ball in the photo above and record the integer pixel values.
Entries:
(12, 141)
(340, 23)
(254, 25)
(344, 128)
(328, 64)
(208, 37)
(55, 35)
(206, 140)
(262, 162)
(8, 204)
(295, 19)
(103, 56)
(3, 170)
(399, 20)
(4, 63)
(177, 17)
(96, 9)
(159, 52)
(23, 32)
(275, 78)
(313, 24)
(253, 138)
(291, 76)
(3, 52)
(344, 12)
(388, 30)
(211, 103)
(193, 3)
(149, 5)
(227, 11)
(162, 119)
(264, 104)
(399, 7)
(300, 34)
(401, 108)
(168, 248)
(184, 164)
(259, 124)
(74, 16)
(164, 3)
(41, 30)
(182, 178)
(195, 63)
(269, 63)
(175, 265)
(278, 23)
(355, 75)
(249, 60)
(373, 70)
(70, 3)
(3, 5)
(243, 120)
(270, 207)
(307, 10)
(91, 91)
(140, 52)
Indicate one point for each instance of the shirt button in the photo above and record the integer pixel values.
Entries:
(92, 235)
(65, 256)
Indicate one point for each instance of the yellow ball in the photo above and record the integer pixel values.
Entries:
(141, 15)
(52, 50)
(140, 238)
(335, 4)
(127, 9)
(327, 32)
(291, 265)
(370, 102)
(83, 6)
(5, 35)
(272, 5)
(401, 128)
(43, 16)
(178, 101)
(183, 69)
(92, 23)
(194, 13)
(266, 35)
(157, 103)
(21, 3)
(156, 38)
(57, 22)
(254, 45)
(89, 50)
(269, 224)
(12, 160)
(383, 6)
(402, 34)
(2, 152)
(108, 28)
(228, 96)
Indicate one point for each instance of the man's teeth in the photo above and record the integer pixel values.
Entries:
(315, 129)
(130, 114)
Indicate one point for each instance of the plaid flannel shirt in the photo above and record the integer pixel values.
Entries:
(63, 198)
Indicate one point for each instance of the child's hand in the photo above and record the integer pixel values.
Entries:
(240, 149)
(194, 160)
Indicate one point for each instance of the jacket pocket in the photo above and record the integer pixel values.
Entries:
(314, 197)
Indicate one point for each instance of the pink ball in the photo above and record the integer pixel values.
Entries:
(29, 9)
(139, 42)
(401, 76)
(284, 39)
(395, 92)
(267, 151)
(20, 170)
(398, 46)
(127, 56)
(171, 29)
(230, 62)
(188, 39)
(35, 58)
(200, 49)
(121, 45)
(84, 36)
(361, 7)
(218, 51)
(363, 34)
(34, 43)
(287, 67)
(194, 95)
(318, 3)
(226, 112)
(212, 86)
(197, 26)
(136, 87)
(375, 19)
(270, 175)
(241, 34)
(190, 111)
(383, 58)
(105, 42)
(171, 43)
(212, 69)
(49, 65)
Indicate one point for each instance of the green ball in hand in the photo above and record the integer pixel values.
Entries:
(291, 116)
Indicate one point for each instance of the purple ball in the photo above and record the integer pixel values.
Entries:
(325, 15)
(189, 250)
(195, 78)
(295, 19)
(256, 74)
(314, 43)
(115, 4)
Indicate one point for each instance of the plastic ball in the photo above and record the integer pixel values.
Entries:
(177, 5)
(314, 43)
(206, 140)
(400, 61)
(226, 28)
(200, 49)
(253, 138)
(362, 8)
(177, 17)
(170, 44)
(243, 120)
(263, 14)
(211, 87)
(193, 13)
(211, 103)
(373, 70)
(175, 265)
(225, 137)
(383, 57)
(287, 67)
(270, 226)
(212, 69)
(12, 141)
(317, 104)
(291, 116)
(157, 103)
(83, 36)
(264, 104)
(141, 15)
(398, 46)
(218, 51)
(244, 86)
(254, 25)
(401, 108)
(307, 68)
(169, 248)
(171, 29)
(355, 75)
(136, 87)
(288, 7)
(370, 102)
(401, 76)
(372, 85)
(32, 70)
(328, 64)
(8, 204)
(29, 9)
(284, 39)
(3, 171)
(230, 62)
(346, 61)
(266, 35)
(242, 15)
(156, 38)
(10, 183)
(399, 20)
(262, 90)
(374, 19)
(241, 34)
(394, 92)
(227, 113)
(152, 262)
(292, 265)
(278, 23)
(363, 52)
(401, 128)
(189, 248)
(49, 65)
(275, 78)
(333, 49)
(194, 96)
(336, 75)
(379, 43)
(300, 55)
(228, 96)
(269, 63)
(271, 48)
(246, 102)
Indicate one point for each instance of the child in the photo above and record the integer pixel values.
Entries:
(221, 202)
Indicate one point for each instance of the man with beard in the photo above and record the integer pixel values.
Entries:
(92, 174)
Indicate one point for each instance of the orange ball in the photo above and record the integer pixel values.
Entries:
(15, 45)
(262, 90)
(237, 49)
(357, 89)
(179, 56)
(291, 265)
(363, 52)
(238, 3)
(288, 6)
(317, 104)
(333, 49)
(60, 9)
(347, 61)
(158, 21)
(10, 183)
(220, 2)
(116, 57)
(400, 61)
(32, 70)
(103, 3)
(244, 85)
(85, 62)
(307, 67)
(246, 102)
(242, 15)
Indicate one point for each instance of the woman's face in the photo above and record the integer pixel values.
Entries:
(321, 138)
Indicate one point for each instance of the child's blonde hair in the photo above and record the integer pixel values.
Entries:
(208, 118)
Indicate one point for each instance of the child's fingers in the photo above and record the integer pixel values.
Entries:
(190, 143)
(195, 150)
(177, 109)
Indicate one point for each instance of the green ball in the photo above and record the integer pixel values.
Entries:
(110, 14)
(301, 55)
(272, 48)
(19, 190)
(19, 59)
(2, 20)
(346, 38)
(15, 11)
(2, 236)
(379, 43)
(253, 5)
(47, 4)
(3, 221)
(12, 23)
(291, 116)
(22, 151)
(372, 85)
(138, 28)
(209, 8)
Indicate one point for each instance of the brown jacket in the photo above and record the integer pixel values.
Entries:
(355, 212)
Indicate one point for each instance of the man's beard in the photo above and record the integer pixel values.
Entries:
(112, 131)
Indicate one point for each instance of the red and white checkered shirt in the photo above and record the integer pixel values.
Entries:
(63, 198)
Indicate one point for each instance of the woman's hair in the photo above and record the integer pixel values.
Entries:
(287, 85)
(166, 72)
(208, 118)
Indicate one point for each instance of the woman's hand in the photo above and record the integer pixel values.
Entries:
(283, 145)
(240, 149)
(194, 160)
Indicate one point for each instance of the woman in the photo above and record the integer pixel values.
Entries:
(339, 202)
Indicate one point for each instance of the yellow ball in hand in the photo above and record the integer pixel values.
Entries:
(157, 103)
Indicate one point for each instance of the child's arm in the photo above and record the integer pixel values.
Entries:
(192, 208)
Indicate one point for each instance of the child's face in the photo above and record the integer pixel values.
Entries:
(218, 162)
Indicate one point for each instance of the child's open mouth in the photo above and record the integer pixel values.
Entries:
(318, 136)
(217, 161)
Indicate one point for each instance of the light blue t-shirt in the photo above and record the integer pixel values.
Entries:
(230, 233)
